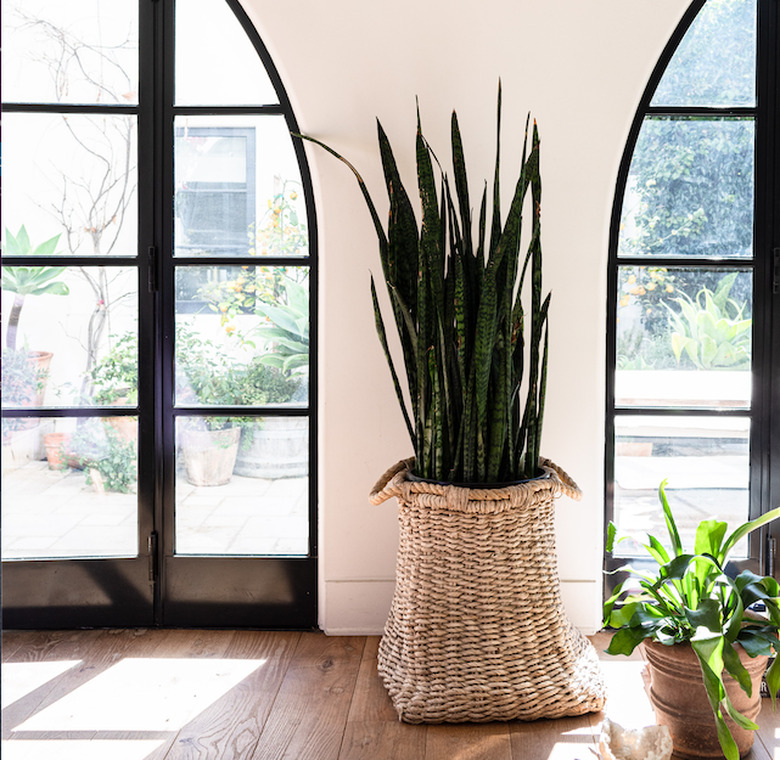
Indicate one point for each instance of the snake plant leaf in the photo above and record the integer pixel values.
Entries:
(380, 329)
(380, 232)
(461, 183)
(495, 229)
(480, 255)
(459, 312)
(402, 225)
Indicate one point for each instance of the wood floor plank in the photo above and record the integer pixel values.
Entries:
(309, 716)
(767, 743)
(469, 741)
(371, 702)
(372, 740)
(70, 711)
(373, 730)
(560, 739)
(230, 727)
(267, 696)
(44, 648)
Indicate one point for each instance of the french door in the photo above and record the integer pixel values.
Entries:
(694, 349)
(159, 280)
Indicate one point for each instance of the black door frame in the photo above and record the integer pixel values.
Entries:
(157, 587)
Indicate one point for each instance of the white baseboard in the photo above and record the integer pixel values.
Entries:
(360, 607)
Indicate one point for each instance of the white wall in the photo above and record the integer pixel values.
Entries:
(580, 66)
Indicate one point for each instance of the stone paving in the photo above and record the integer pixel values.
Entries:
(50, 514)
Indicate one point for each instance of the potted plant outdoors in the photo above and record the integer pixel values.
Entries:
(706, 646)
(206, 376)
(22, 382)
(711, 330)
(109, 458)
(30, 281)
(114, 382)
(271, 447)
(477, 630)
(278, 446)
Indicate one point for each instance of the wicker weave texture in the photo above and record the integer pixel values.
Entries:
(477, 631)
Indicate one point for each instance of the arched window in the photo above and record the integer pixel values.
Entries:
(159, 276)
(693, 322)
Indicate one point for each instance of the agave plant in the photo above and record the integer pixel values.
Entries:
(29, 281)
(457, 303)
(287, 328)
(712, 329)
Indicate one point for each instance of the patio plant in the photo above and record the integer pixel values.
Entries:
(286, 329)
(687, 598)
(22, 380)
(468, 342)
(115, 376)
(109, 459)
(29, 281)
(711, 330)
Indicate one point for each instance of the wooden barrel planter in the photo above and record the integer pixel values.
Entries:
(477, 631)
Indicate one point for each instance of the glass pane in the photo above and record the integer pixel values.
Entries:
(242, 486)
(82, 51)
(706, 461)
(690, 189)
(69, 488)
(238, 188)
(242, 336)
(70, 336)
(683, 337)
(216, 63)
(715, 64)
(70, 176)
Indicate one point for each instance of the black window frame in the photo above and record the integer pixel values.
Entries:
(764, 412)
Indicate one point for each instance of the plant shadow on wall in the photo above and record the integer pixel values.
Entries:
(703, 622)
(476, 500)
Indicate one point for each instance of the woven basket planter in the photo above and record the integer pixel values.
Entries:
(477, 631)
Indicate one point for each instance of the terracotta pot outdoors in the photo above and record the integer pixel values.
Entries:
(210, 455)
(56, 449)
(680, 700)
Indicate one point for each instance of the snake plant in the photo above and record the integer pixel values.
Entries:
(475, 358)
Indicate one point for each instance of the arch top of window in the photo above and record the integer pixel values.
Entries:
(715, 63)
(216, 63)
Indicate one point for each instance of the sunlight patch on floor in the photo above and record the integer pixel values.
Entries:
(139, 694)
(78, 750)
(20, 678)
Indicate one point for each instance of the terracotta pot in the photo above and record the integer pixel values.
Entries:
(209, 455)
(56, 447)
(680, 700)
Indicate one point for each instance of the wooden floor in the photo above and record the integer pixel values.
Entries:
(174, 694)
